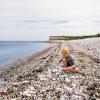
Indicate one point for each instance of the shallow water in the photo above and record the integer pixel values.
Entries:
(10, 51)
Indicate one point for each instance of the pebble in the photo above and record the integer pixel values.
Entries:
(52, 83)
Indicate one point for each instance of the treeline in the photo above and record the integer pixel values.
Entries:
(73, 37)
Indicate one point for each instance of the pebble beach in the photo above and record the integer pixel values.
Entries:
(40, 76)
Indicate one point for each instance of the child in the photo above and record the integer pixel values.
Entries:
(69, 62)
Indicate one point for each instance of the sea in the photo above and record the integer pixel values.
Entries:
(10, 51)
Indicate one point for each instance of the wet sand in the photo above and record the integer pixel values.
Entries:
(40, 76)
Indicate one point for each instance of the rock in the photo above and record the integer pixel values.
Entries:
(42, 77)
(92, 98)
(67, 80)
(25, 82)
(14, 99)
(16, 84)
(68, 90)
(76, 97)
(28, 93)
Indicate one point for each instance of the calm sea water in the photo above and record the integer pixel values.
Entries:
(11, 51)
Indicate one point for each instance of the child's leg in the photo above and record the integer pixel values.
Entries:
(71, 69)
(67, 69)
(75, 69)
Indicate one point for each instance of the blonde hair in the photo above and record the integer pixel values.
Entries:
(65, 52)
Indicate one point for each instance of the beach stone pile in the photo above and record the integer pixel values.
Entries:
(45, 80)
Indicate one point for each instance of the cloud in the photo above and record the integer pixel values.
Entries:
(41, 18)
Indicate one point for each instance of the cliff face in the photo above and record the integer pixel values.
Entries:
(73, 37)
(56, 38)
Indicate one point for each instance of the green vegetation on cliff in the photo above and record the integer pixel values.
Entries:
(72, 37)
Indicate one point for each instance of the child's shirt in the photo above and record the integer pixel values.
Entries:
(70, 60)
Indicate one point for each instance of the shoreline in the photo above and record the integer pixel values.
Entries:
(28, 58)
(24, 66)
(20, 50)
(41, 77)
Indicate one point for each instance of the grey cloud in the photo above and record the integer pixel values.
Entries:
(46, 21)
(95, 21)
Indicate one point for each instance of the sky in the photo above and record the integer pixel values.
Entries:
(38, 19)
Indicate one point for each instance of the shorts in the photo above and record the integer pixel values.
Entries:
(75, 65)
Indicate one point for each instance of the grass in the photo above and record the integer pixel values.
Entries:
(73, 37)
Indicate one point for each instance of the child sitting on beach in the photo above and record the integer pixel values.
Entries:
(69, 62)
